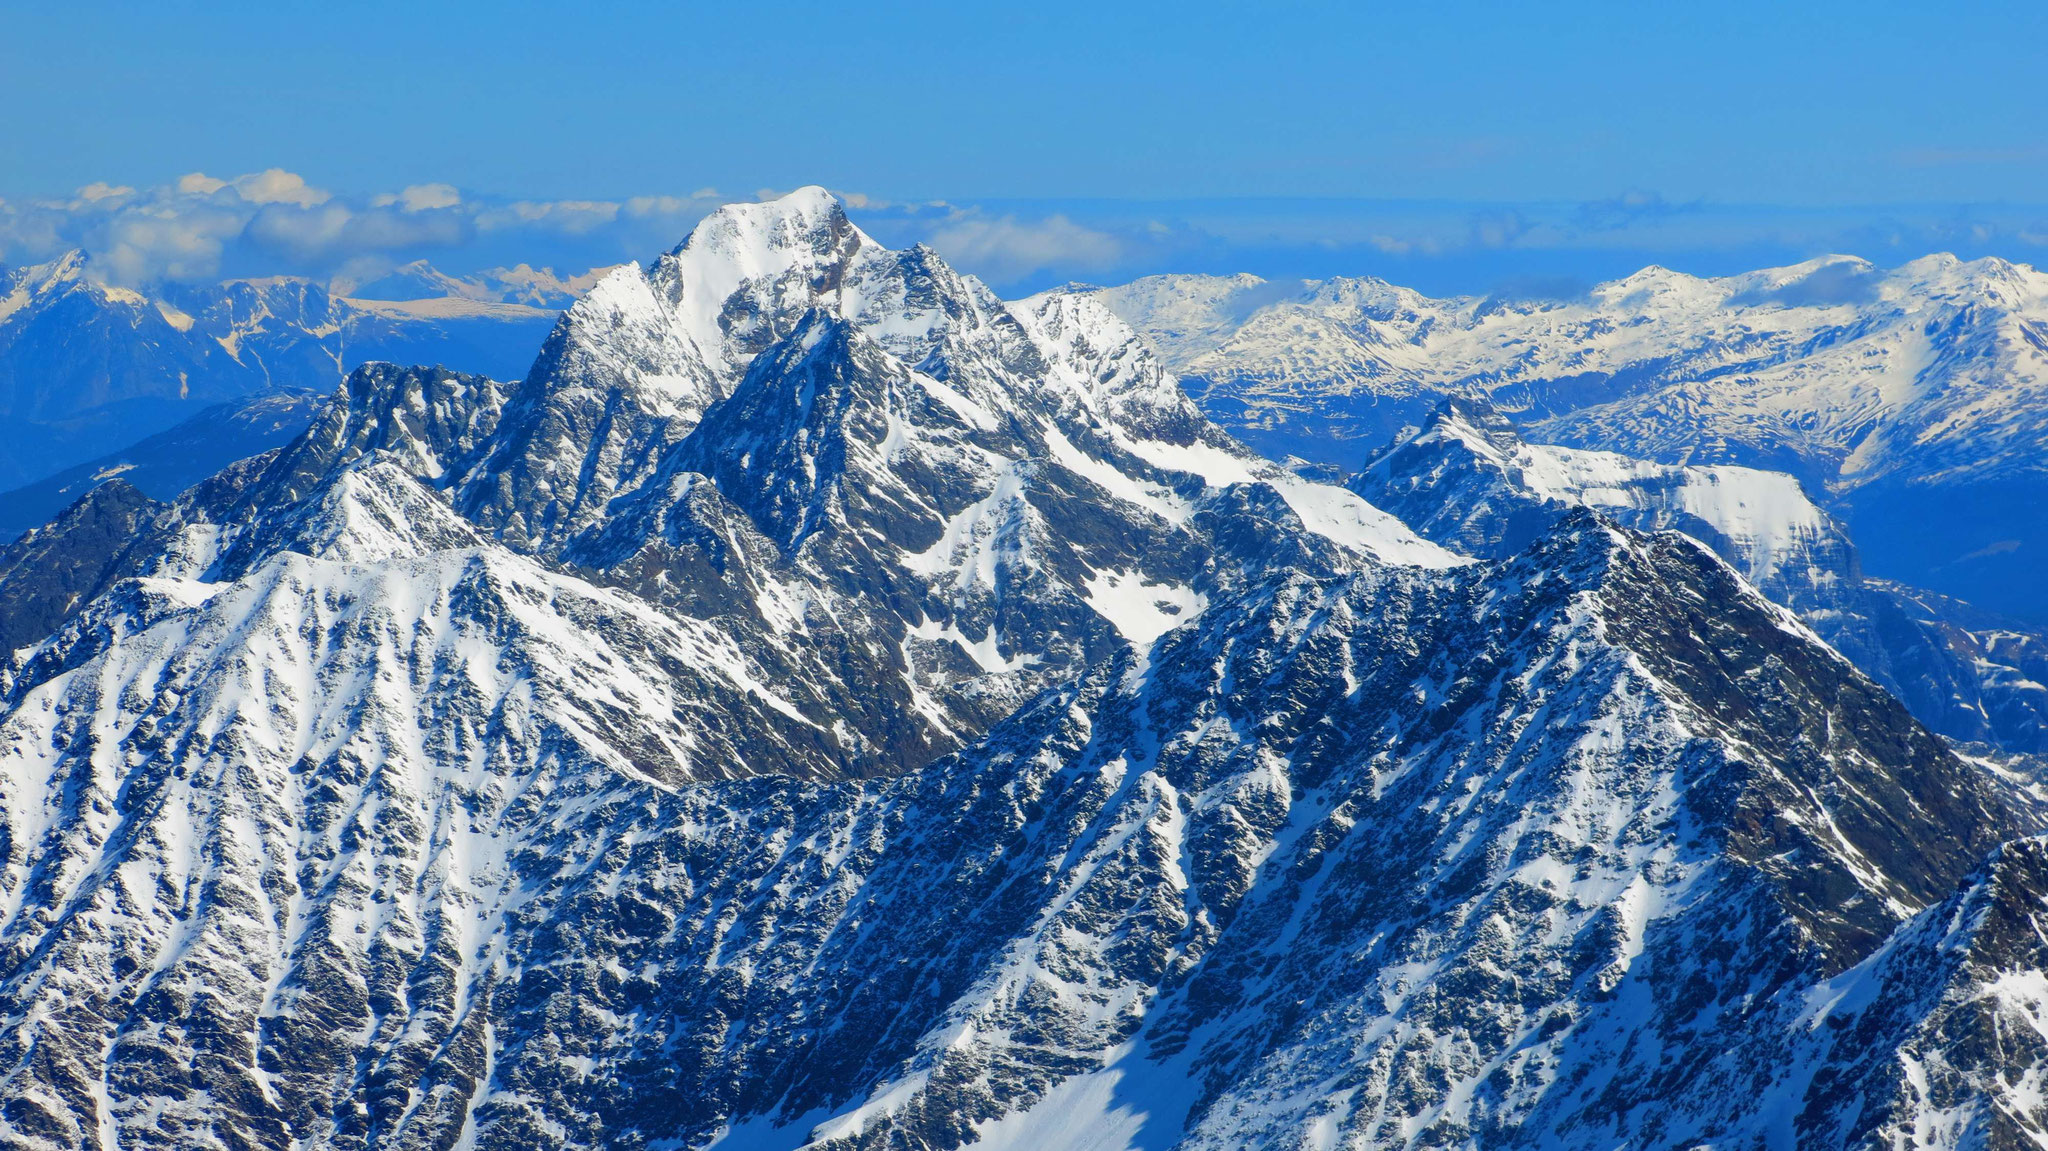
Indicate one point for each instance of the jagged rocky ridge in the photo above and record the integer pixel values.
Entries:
(1469, 480)
(824, 705)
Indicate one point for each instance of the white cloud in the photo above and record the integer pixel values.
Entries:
(159, 242)
(420, 198)
(272, 222)
(411, 229)
(356, 271)
(277, 186)
(694, 205)
(99, 190)
(641, 207)
(1498, 229)
(188, 228)
(1006, 248)
(199, 226)
(300, 231)
(575, 217)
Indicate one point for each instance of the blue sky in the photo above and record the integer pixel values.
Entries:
(1466, 147)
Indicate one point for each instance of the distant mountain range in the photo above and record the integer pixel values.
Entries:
(87, 368)
(1912, 402)
(823, 705)
(523, 285)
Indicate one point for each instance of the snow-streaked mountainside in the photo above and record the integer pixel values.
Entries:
(86, 366)
(1468, 480)
(823, 705)
(1915, 400)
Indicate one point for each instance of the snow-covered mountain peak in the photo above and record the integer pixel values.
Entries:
(621, 333)
(67, 273)
(1369, 295)
(762, 239)
(936, 356)
(1854, 378)
(1822, 282)
(65, 267)
(745, 265)
(87, 366)
(417, 280)
(1471, 421)
(372, 509)
(688, 326)
(23, 285)
(1658, 287)
(1987, 280)
(1186, 315)
(432, 418)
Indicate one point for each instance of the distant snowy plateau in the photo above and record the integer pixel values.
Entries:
(824, 705)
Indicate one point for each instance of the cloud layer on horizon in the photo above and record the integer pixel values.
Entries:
(274, 222)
